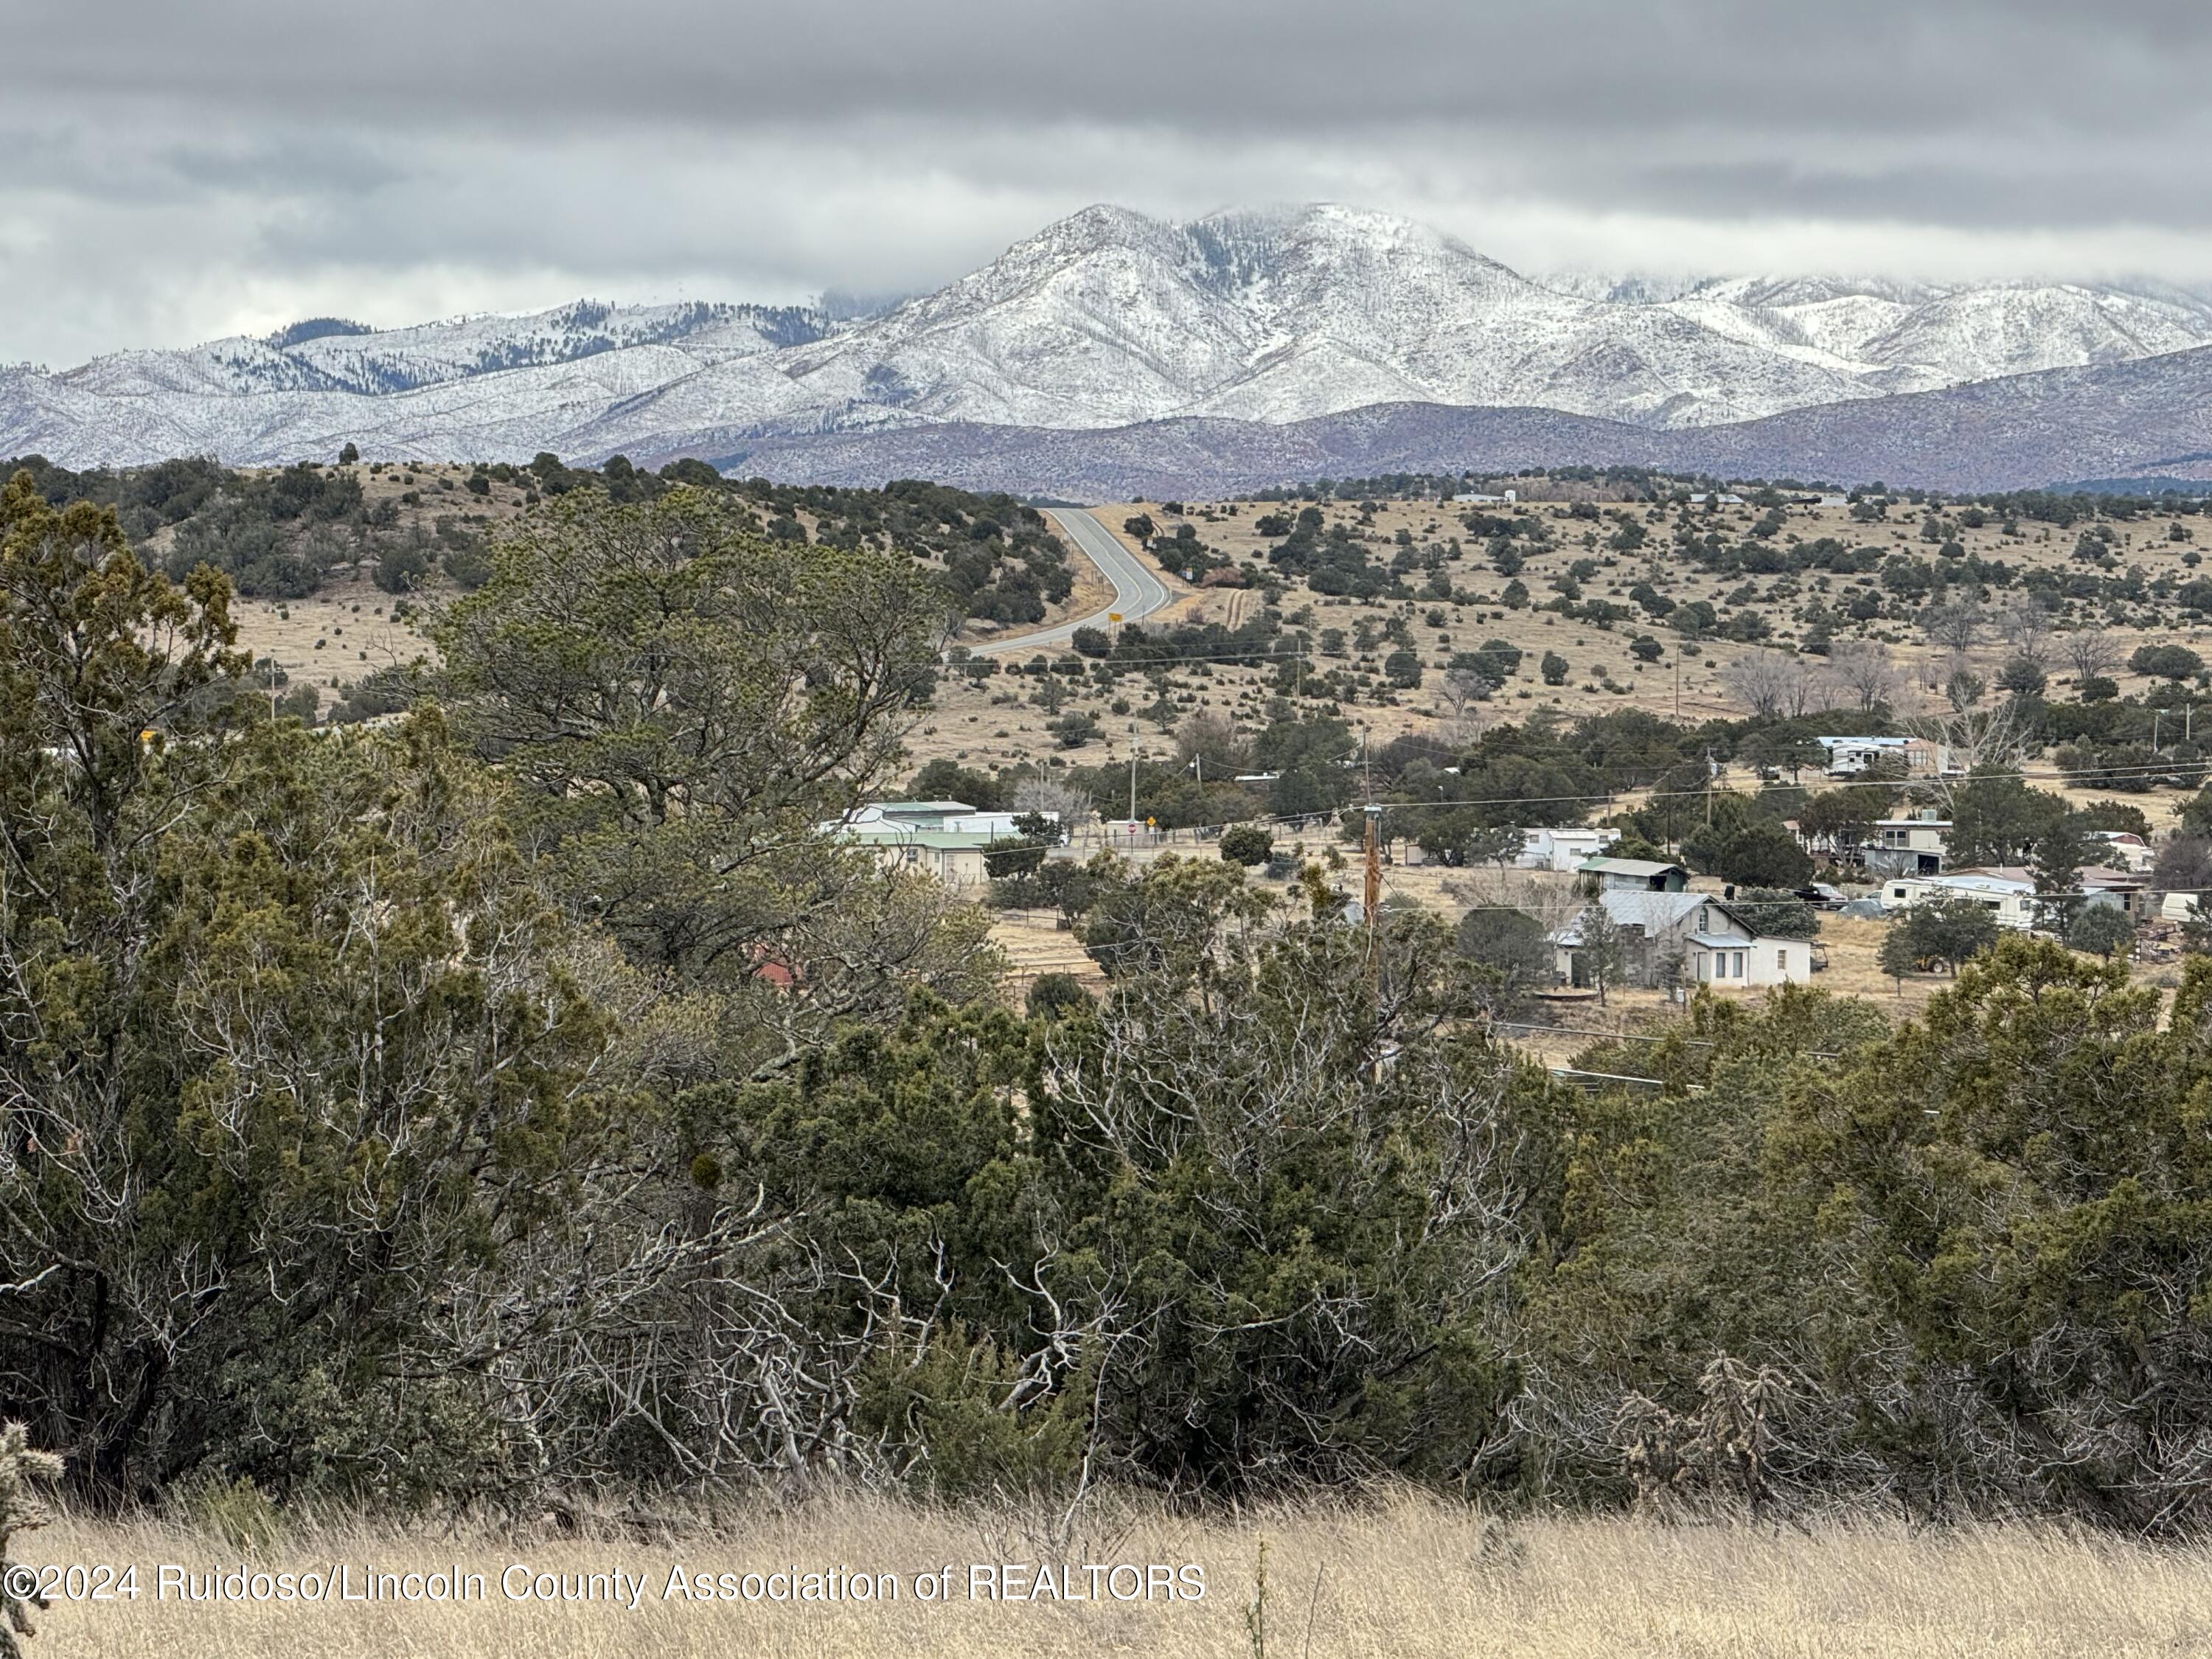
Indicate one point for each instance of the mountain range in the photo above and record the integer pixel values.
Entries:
(1247, 345)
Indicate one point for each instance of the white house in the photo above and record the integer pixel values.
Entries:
(946, 839)
(1728, 959)
(1709, 940)
(1849, 758)
(951, 815)
(1562, 850)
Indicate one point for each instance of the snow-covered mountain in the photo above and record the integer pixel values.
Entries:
(1105, 318)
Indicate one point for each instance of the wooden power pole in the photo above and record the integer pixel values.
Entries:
(1372, 898)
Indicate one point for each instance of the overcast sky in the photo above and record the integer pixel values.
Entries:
(175, 172)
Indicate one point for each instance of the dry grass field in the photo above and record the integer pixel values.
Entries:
(1403, 1577)
(347, 630)
(991, 724)
(994, 725)
(1037, 943)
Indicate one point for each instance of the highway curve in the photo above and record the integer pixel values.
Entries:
(1136, 592)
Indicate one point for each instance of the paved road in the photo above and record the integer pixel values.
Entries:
(1136, 592)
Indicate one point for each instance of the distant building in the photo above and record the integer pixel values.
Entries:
(1912, 846)
(1690, 938)
(2134, 852)
(2100, 885)
(1562, 850)
(1848, 757)
(946, 839)
(2009, 890)
(1635, 875)
(1851, 758)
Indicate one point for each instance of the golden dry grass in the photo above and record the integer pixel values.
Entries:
(987, 723)
(340, 633)
(1402, 1578)
(1035, 943)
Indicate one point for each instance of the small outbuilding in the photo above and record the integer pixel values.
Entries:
(1635, 875)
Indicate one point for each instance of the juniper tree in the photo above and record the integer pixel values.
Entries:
(1604, 948)
(676, 704)
(2004, 1203)
(298, 1093)
(1899, 955)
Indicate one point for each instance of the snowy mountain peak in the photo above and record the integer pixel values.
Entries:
(1107, 317)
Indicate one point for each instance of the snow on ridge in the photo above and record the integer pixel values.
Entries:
(1107, 317)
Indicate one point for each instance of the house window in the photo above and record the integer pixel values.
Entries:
(1782, 961)
(1739, 964)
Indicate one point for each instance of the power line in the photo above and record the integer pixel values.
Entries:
(1244, 657)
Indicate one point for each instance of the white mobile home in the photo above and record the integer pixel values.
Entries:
(1850, 758)
(2013, 899)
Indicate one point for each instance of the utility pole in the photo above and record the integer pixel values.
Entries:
(1132, 772)
(1678, 682)
(1373, 896)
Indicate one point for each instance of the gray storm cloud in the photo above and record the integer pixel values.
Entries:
(178, 171)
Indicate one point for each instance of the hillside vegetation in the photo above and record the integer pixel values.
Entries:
(524, 1099)
(291, 532)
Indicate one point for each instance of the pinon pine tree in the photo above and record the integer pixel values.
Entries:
(21, 1509)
